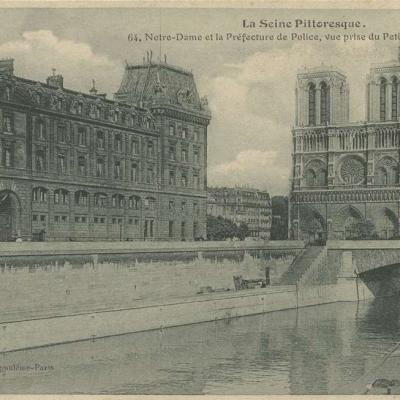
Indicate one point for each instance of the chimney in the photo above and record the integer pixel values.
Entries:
(55, 80)
(7, 66)
(93, 90)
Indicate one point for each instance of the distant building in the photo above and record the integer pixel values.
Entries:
(242, 206)
(77, 166)
(279, 226)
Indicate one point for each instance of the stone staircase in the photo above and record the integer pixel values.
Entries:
(302, 264)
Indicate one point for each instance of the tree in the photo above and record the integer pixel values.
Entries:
(363, 230)
(220, 228)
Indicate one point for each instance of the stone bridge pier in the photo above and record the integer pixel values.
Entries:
(372, 265)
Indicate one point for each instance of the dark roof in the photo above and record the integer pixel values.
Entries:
(148, 82)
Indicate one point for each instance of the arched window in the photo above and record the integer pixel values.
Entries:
(82, 136)
(311, 177)
(100, 200)
(134, 202)
(382, 99)
(100, 139)
(117, 142)
(39, 194)
(61, 196)
(81, 198)
(40, 161)
(40, 129)
(150, 203)
(325, 104)
(311, 104)
(395, 88)
(118, 201)
(82, 165)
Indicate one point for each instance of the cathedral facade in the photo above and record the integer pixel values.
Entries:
(78, 166)
(345, 175)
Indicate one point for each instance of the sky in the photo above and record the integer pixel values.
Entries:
(250, 86)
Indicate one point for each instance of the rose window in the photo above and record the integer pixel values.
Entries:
(352, 171)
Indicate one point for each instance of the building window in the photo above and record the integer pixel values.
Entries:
(7, 156)
(184, 179)
(135, 147)
(183, 229)
(196, 135)
(79, 107)
(118, 201)
(183, 206)
(62, 133)
(100, 140)
(100, 200)
(82, 165)
(82, 136)
(99, 168)
(81, 198)
(172, 153)
(171, 229)
(171, 205)
(59, 104)
(172, 130)
(196, 181)
(40, 130)
(382, 99)
(61, 196)
(40, 160)
(195, 209)
(172, 177)
(150, 149)
(7, 123)
(395, 89)
(118, 142)
(185, 132)
(134, 172)
(196, 156)
(325, 103)
(184, 155)
(150, 175)
(117, 170)
(311, 104)
(61, 164)
(149, 203)
(42, 218)
(39, 194)
(134, 202)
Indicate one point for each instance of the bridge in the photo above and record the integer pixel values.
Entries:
(375, 262)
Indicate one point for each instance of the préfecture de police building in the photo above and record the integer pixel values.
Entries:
(345, 173)
(77, 166)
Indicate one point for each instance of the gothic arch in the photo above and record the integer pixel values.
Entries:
(10, 215)
(387, 171)
(343, 221)
(315, 173)
(312, 224)
(386, 223)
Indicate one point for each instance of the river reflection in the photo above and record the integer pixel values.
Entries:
(314, 350)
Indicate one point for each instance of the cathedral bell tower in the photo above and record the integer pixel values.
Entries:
(322, 97)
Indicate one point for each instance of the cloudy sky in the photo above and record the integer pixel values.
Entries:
(250, 87)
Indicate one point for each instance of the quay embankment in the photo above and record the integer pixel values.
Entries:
(62, 292)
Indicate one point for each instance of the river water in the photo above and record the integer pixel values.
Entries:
(314, 350)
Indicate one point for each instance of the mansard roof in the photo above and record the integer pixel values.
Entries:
(161, 83)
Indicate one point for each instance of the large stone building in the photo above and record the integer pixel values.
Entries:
(76, 166)
(345, 173)
(242, 206)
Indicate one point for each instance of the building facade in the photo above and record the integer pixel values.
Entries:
(242, 206)
(76, 166)
(343, 173)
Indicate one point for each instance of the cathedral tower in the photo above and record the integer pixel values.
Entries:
(322, 97)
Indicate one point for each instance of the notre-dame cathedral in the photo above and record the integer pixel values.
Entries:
(345, 173)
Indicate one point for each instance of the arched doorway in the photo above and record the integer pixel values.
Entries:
(386, 224)
(9, 216)
(312, 225)
(344, 221)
